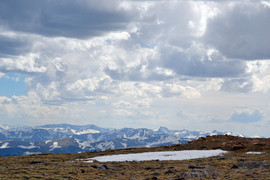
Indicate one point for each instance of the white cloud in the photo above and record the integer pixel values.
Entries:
(1, 74)
(25, 63)
(260, 75)
(123, 58)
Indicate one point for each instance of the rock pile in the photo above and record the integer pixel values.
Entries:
(199, 172)
(251, 165)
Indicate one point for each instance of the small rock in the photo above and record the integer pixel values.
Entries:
(171, 171)
(199, 172)
(156, 174)
(265, 166)
(253, 165)
(36, 162)
(234, 166)
(241, 160)
(195, 167)
(101, 167)
(222, 158)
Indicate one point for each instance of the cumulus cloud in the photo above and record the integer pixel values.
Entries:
(119, 58)
(22, 64)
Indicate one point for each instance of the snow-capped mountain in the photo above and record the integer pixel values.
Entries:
(68, 138)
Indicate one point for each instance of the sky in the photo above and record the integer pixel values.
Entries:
(197, 65)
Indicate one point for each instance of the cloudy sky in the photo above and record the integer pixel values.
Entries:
(197, 65)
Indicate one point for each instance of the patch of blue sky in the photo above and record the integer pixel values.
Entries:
(149, 45)
(12, 85)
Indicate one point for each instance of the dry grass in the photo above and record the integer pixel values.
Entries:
(67, 166)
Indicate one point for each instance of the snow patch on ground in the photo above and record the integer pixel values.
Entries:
(162, 156)
(251, 152)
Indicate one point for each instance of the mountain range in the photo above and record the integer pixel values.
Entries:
(66, 138)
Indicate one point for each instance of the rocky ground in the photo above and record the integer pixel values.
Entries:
(236, 164)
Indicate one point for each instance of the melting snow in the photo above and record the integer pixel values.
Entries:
(162, 156)
(254, 152)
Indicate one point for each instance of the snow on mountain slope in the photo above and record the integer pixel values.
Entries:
(88, 131)
(4, 145)
(31, 146)
(54, 146)
(74, 138)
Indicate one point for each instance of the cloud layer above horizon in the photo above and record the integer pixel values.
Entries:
(138, 63)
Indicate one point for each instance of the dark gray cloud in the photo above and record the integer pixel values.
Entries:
(200, 66)
(245, 117)
(241, 31)
(68, 18)
(12, 46)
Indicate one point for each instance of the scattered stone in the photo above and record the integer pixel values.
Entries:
(170, 171)
(251, 165)
(153, 178)
(80, 157)
(265, 166)
(36, 162)
(38, 177)
(199, 172)
(221, 158)
(241, 160)
(156, 174)
(101, 167)
(234, 166)
(195, 167)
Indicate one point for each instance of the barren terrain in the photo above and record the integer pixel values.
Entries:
(236, 164)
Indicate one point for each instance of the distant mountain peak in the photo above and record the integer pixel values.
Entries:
(163, 130)
(67, 138)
